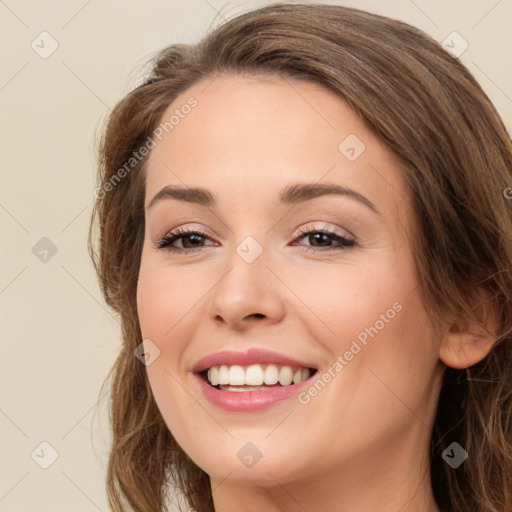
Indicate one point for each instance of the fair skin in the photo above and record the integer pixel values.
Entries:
(362, 442)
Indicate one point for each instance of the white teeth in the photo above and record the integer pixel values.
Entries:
(223, 374)
(285, 376)
(271, 375)
(255, 375)
(241, 388)
(236, 376)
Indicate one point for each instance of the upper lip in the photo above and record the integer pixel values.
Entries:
(248, 357)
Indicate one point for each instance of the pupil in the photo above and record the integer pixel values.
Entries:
(318, 237)
(189, 238)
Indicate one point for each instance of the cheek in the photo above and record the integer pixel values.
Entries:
(341, 300)
(165, 309)
(164, 296)
(161, 303)
(373, 316)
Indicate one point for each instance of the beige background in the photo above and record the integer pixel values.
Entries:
(57, 337)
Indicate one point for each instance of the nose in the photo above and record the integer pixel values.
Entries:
(246, 294)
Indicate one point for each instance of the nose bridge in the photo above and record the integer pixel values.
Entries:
(247, 275)
(245, 289)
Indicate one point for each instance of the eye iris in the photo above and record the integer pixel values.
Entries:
(189, 237)
(319, 237)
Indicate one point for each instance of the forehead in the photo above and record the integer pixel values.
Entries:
(249, 134)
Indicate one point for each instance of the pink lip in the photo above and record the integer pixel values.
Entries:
(248, 401)
(250, 356)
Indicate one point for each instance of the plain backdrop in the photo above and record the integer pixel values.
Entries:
(58, 338)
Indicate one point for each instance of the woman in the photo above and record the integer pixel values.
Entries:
(303, 227)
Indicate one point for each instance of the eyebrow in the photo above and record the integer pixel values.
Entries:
(291, 194)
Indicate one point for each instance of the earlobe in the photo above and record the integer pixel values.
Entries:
(467, 342)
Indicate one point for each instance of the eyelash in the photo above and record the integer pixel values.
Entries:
(166, 241)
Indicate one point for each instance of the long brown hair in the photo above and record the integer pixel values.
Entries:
(457, 159)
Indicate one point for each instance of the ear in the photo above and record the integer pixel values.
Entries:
(470, 337)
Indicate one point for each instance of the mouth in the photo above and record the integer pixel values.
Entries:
(251, 380)
(255, 377)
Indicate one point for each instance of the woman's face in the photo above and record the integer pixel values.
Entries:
(283, 275)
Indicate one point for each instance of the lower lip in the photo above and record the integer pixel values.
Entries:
(248, 401)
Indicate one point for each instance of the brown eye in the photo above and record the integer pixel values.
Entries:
(190, 240)
(320, 240)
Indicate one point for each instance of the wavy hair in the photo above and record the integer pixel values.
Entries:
(430, 111)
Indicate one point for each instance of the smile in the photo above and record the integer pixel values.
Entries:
(255, 377)
(252, 379)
